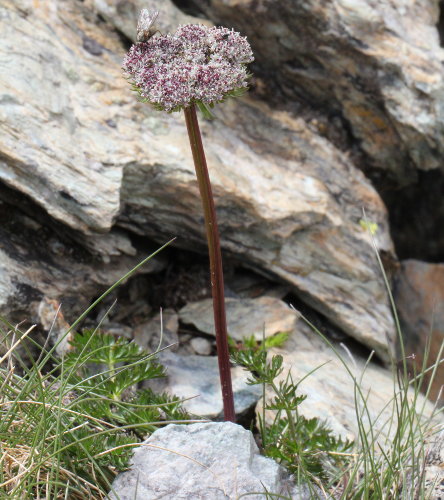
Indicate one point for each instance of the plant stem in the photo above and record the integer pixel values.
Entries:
(216, 272)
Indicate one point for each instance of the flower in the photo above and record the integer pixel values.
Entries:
(196, 64)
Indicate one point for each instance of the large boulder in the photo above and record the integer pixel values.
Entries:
(288, 203)
(80, 147)
(368, 76)
(377, 64)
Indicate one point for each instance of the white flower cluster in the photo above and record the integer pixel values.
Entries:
(194, 64)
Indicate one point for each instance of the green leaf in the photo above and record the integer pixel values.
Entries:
(276, 340)
(204, 108)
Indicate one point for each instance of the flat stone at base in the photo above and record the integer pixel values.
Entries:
(197, 377)
(245, 317)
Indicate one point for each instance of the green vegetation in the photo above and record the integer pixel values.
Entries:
(306, 447)
(387, 459)
(66, 431)
(68, 425)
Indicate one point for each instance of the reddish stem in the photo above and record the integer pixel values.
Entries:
(216, 272)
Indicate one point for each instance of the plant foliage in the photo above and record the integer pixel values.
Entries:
(300, 444)
(68, 426)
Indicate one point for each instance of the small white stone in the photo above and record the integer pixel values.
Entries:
(201, 346)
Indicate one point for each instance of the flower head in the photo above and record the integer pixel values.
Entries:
(196, 64)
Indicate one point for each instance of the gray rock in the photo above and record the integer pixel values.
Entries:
(36, 267)
(295, 218)
(124, 15)
(51, 319)
(150, 334)
(433, 466)
(114, 243)
(197, 377)
(91, 157)
(201, 346)
(425, 477)
(330, 387)
(248, 285)
(245, 317)
(118, 330)
(378, 63)
(214, 461)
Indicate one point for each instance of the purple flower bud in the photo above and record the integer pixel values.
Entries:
(196, 64)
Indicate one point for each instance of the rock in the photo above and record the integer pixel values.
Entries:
(330, 387)
(62, 162)
(117, 330)
(197, 377)
(428, 478)
(245, 317)
(379, 65)
(94, 159)
(208, 460)
(248, 285)
(433, 467)
(107, 245)
(419, 297)
(40, 269)
(149, 334)
(51, 319)
(71, 160)
(52, 173)
(201, 346)
(368, 75)
(124, 15)
(308, 232)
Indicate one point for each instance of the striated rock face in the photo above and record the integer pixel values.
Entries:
(55, 149)
(40, 261)
(419, 296)
(61, 158)
(345, 114)
(288, 203)
(377, 63)
(371, 74)
(80, 147)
